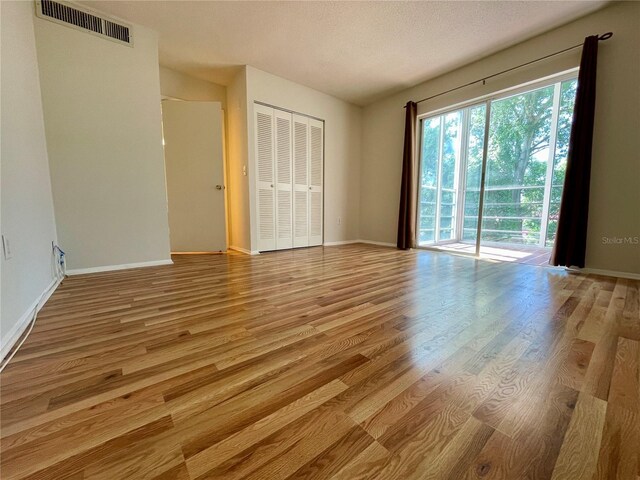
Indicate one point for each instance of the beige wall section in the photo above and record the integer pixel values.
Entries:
(103, 124)
(185, 87)
(615, 195)
(237, 155)
(342, 152)
(27, 205)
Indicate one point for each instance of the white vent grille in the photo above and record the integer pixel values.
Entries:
(316, 156)
(117, 31)
(300, 153)
(300, 214)
(315, 214)
(284, 214)
(266, 214)
(283, 149)
(265, 148)
(66, 14)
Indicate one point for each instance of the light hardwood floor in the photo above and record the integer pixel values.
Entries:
(342, 362)
(525, 254)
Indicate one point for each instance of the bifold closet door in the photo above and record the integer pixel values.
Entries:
(301, 181)
(264, 136)
(284, 187)
(316, 145)
(289, 153)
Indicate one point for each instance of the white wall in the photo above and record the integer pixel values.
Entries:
(615, 193)
(342, 148)
(185, 87)
(237, 158)
(103, 123)
(27, 206)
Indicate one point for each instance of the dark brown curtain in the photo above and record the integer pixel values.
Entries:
(407, 216)
(571, 237)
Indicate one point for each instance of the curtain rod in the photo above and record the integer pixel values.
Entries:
(604, 36)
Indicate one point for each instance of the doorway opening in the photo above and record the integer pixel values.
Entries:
(492, 173)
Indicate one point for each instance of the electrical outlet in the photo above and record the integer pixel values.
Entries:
(6, 248)
(244, 170)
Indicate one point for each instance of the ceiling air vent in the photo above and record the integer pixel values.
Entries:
(117, 31)
(84, 19)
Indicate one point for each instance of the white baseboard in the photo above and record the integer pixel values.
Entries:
(347, 242)
(607, 273)
(124, 266)
(13, 335)
(382, 244)
(340, 242)
(244, 250)
(325, 244)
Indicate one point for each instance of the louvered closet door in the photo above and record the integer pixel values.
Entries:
(266, 177)
(284, 183)
(316, 163)
(300, 181)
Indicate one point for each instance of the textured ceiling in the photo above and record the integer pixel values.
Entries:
(356, 51)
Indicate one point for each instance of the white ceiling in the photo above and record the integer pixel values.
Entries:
(356, 51)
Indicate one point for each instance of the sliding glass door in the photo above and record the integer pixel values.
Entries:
(447, 142)
(517, 164)
(473, 173)
(524, 165)
(563, 133)
(441, 137)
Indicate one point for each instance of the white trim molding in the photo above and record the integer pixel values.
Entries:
(340, 242)
(244, 250)
(348, 242)
(381, 244)
(325, 244)
(13, 335)
(607, 273)
(124, 266)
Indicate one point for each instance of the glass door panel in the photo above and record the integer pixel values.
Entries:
(449, 169)
(517, 159)
(439, 178)
(429, 180)
(565, 118)
(473, 173)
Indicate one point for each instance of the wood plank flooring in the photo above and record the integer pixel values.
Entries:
(350, 362)
(526, 254)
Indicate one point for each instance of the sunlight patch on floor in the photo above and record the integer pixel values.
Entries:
(528, 255)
